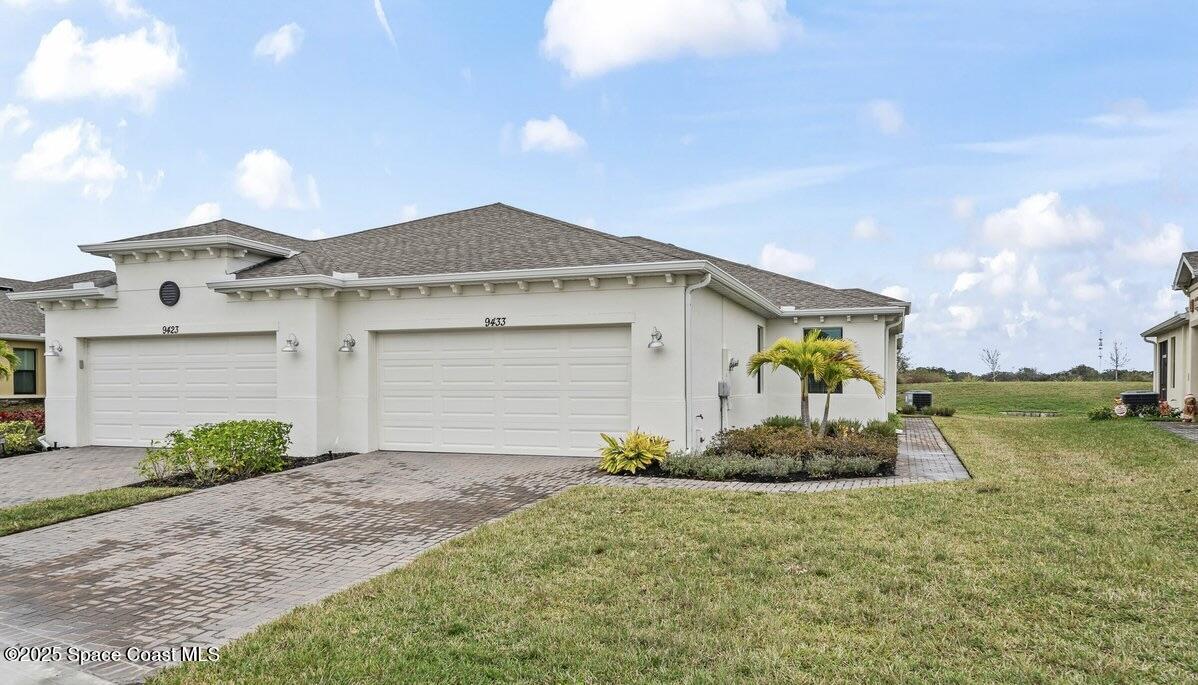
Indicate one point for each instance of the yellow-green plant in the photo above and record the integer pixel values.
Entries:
(638, 450)
(8, 360)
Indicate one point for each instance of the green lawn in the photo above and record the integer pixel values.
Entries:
(1067, 397)
(47, 511)
(1072, 556)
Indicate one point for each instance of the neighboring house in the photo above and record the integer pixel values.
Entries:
(23, 326)
(488, 330)
(1174, 340)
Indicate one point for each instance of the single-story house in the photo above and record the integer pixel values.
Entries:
(22, 326)
(1174, 340)
(489, 330)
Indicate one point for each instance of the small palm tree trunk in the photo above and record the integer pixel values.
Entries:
(823, 427)
(805, 405)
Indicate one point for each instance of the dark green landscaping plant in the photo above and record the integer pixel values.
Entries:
(213, 452)
(1101, 413)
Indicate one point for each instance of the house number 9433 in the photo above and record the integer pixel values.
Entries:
(493, 321)
(170, 330)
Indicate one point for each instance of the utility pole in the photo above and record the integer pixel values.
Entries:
(1099, 350)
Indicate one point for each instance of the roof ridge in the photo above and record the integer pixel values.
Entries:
(409, 221)
(742, 264)
(584, 229)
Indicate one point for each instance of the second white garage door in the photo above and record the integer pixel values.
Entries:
(503, 391)
(143, 388)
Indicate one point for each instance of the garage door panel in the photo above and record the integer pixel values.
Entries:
(505, 391)
(140, 389)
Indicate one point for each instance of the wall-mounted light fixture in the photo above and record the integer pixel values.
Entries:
(655, 342)
(733, 363)
(347, 344)
(54, 349)
(292, 343)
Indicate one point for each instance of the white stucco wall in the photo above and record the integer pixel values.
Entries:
(1182, 360)
(331, 397)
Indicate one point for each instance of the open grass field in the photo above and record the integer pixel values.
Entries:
(1072, 556)
(1067, 397)
(47, 511)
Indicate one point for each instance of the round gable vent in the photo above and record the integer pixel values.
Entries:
(168, 293)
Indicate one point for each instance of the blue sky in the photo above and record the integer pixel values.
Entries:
(1025, 173)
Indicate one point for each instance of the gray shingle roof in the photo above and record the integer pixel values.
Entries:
(101, 279)
(1191, 259)
(779, 289)
(498, 237)
(24, 318)
(10, 284)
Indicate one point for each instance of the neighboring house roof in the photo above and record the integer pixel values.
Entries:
(23, 318)
(1187, 266)
(1167, 325)
(226, 227)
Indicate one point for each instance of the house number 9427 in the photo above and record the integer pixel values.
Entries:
(170, 330)
(492, 321)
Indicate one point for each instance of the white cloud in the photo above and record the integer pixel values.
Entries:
(966, 280)
(382, 17)
(783, 261)
(126, 9)
(73, 152)
(266, 178)
(953, 260)
(962, 319)
(866, 228)
(1081, 285)
(1162, 249)
(1003, 273)
(202, 214)
(1039, 222)
(898, 292)
(759, 186)
(590, 37)
(14, 118)
(152, 182)
(134, 65)
(280, 44)
(886, 116)
(549, 135)
(963, 207)
(408, 212)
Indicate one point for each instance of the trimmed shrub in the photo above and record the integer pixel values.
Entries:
(1101, 413)
(884, 429)
(213, 452)
(37, 416)
(783, 422)
(938, 411)
(907, 409)
(638, 450)
(732, 466)
(19, 436)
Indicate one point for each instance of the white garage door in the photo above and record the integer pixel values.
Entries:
(142, 388)
(503, 391)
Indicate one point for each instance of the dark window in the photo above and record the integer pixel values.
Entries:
(835, 334)
(760, 347)
(24, 379)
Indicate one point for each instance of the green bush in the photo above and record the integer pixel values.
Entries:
(937, 411)
(638, 450)
(884, 429)
(781, 421)
(1101, 413)
(213, 452)
(19, 436)
(766, 441)
(907, 409)
(732, 466)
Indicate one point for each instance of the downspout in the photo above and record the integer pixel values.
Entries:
(686, 382)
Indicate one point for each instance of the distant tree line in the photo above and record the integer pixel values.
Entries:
(1081, 372)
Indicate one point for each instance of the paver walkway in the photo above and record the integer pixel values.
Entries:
(924, 457)
(1189, 431)
(206, 567)
(42, 475)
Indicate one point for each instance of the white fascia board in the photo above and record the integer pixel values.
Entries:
(854, 311)
(191, 242)
(91, 293)
(1182, 264)
(1169, 324)
(23, 337)
(468, 278)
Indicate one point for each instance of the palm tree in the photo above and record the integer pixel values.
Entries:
(8, 360)
(804, 357)
(843, 366)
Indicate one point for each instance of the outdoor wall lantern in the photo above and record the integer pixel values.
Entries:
(347, 345)
(54, 349)
(292, 343)
(655, 342)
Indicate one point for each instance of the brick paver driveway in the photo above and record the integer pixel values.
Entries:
(66, 472)
(208, 566)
